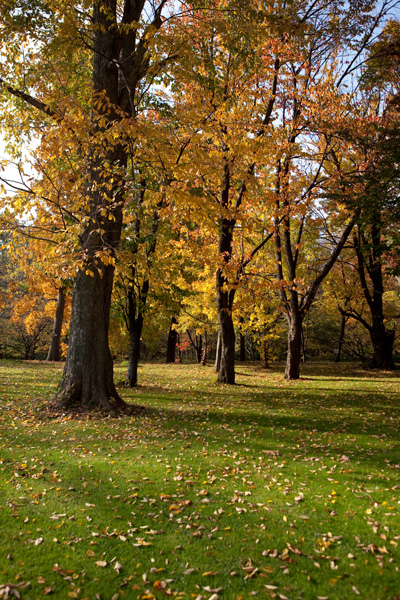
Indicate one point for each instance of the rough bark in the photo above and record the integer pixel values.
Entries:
(382, 342)
(226, 373)
(172, 340)
(54, 353)
(292, 370)
(88, 372)
(119, 63)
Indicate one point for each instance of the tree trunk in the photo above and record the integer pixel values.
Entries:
(382, 342)
(264, 355)
(217, 364)
(369, 254)
(55, 344)
(205, 350)
(172, 339)
(135, 324)
(199, 348)
(120, 61)
(293, 359)
(178, 345)
(341, 338)
(88, 372)
(226, 373)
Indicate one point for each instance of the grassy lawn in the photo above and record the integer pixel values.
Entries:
(264, 489)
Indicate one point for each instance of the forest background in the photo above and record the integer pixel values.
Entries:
(218, 178)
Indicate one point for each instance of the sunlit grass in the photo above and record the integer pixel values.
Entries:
(267, 488)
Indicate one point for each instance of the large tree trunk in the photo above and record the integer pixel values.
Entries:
(382, 343)
(172, 340)
(55, 344)
(88, 373)
(293, 359)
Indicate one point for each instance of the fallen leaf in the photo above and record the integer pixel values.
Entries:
(101, 563)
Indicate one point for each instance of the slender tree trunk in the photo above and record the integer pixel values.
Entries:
(369, 258)
(225, 296)
(199, 348)
(341, 337)
(55, 344)
(205, 350)
(217, 364)
(172, 340)
(136, 310)
(264, 355)
(293, 359)
(134, 354)
(178, 345)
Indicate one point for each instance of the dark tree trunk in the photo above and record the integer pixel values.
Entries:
(225, 296)
(55, 344)
(293, 359)
(369, 259)
(226, 373)
(218, 353)
(88, 372)
(172, 340)
(205, 350)
(382, 343)
(134, 353)
(136, 308)
(197, 344)
(341, 338)
(199, 348)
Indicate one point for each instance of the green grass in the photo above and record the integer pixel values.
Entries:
(264, 489)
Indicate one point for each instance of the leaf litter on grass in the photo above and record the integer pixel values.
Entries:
(280, 490)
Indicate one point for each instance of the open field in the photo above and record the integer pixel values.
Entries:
(266, 489)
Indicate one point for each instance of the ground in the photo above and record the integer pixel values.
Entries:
(267, 488)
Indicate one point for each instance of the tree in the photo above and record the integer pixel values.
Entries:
(116, 41)
(377, 146)
(255, 85)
